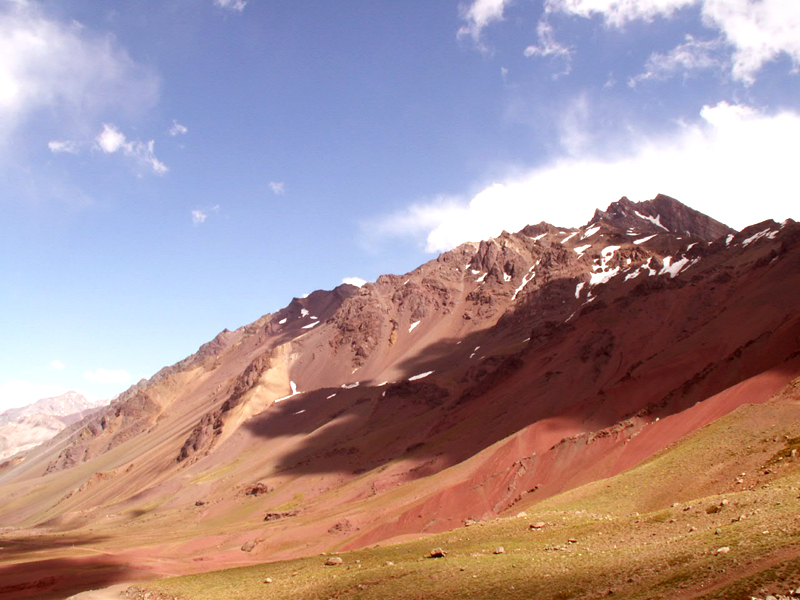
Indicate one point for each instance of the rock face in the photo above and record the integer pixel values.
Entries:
(496, 375)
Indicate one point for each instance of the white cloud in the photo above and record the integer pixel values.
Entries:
(548, 46)
(237, 5)
(479, 15)
(277, 187)
(16, 393)
(757, 32)
(111, 140)
(178, 129)
(105, 376)
(734, 164)
(199, 216)
(356, 281)
(692, 55)
(72, 71)
(58, 365)
(64, 146)
(618, 12)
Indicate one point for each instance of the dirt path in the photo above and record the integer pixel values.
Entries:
(110, 593)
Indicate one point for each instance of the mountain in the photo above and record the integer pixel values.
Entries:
(23, 428)
(482, 383)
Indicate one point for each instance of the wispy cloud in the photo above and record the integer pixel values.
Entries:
(112, 140)
(235, 5)
(178, 129)
(200, 216)
(733, 161)
(106, 376)
(548, 46)
(687, 58)
(58, 365)
(62, 146)
(65, 67)
(478, 15)
(277, 187)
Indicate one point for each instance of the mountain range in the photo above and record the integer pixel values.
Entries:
(483, 383)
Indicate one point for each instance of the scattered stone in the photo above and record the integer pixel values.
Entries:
(333, 561)
(522, 515)
(257, 489)
(200, 503)
(499, 550)
(388, 563)
(276, 516)
(692, 528)
(268, 580)
(538, 525)
(572, 541)
(249, 546)
(717, 532)
(724, 502)
(344, 526)
(723, 550)
(469, 522)
(437, 553)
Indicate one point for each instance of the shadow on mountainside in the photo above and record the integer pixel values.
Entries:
(646, 355)
(31, 575)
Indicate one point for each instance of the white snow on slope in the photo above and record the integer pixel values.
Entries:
(413, 326)
(581, 249)
(506, 277)
(729, 239)
(420, 376)
(282, 322)
(569, 237)
(303, 312)
(350, 386)
(293, 385)
(538, 237)
(310, 325)
(673, 268)
(602, 272)
(525, 280)
(578, 289)
(655, 221)
(590, 232)
(644, 239)
(482, 278)
(766, 233)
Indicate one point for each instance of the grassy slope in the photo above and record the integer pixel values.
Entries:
(651, 532)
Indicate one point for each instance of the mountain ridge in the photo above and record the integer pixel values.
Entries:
(488, 379)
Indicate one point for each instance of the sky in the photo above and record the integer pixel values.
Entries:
(172, 168)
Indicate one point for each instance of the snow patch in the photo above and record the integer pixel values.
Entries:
(645, 239)
(569, 237)
(482, 278)
(581, 249)
(420, 376)
(602, 272)
(506, 277)
(331, 396)
(413, 326)
(525, 280)
(474, 351)
(673, 268)
(282, 321)
(350, 386)
(293, 385)
(303, 312)
(300, 412)
(310, 325)
(690, 246)
(766, 233)
(590, 232)
(655, 221)
(729, 239)
(536, 238)
(578, 289)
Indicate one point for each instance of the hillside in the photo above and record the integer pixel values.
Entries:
(486, 381)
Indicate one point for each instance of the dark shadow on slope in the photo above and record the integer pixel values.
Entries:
(62, 577)
(648, 355)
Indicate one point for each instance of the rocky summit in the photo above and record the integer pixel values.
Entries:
(492, 380)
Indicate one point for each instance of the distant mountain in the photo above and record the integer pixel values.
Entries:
(28, 426)
(485, 381)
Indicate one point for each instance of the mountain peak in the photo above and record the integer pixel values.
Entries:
(662, 213)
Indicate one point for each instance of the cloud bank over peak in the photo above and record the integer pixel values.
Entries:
(733, 162)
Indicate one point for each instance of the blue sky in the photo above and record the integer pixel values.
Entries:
(169, 169)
